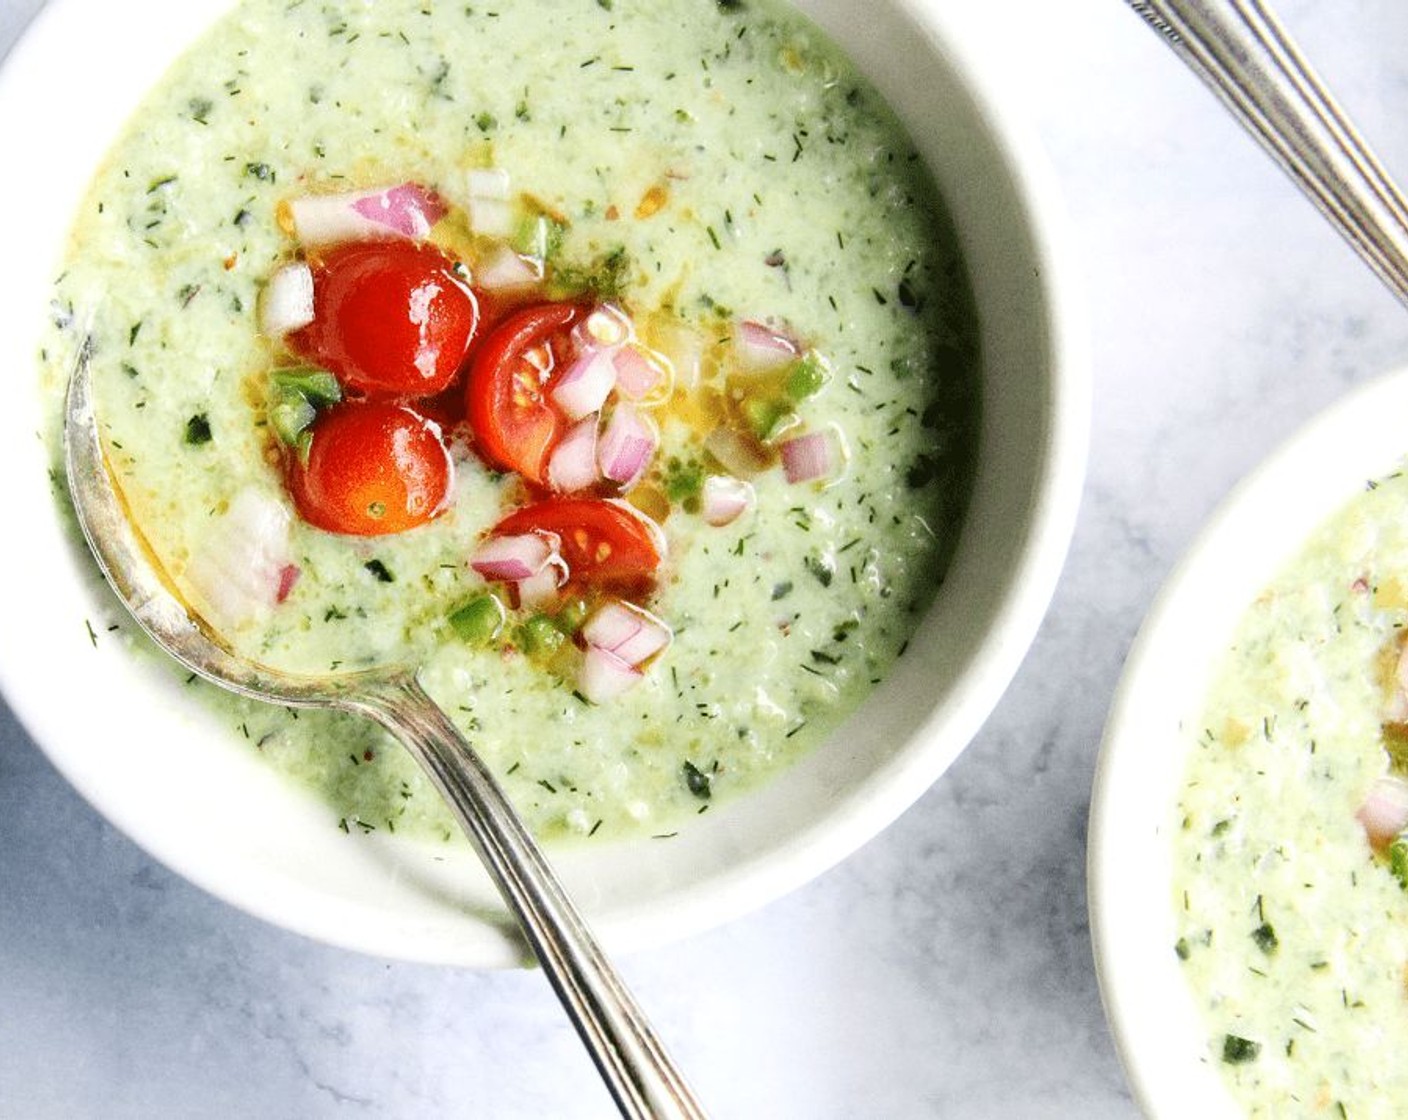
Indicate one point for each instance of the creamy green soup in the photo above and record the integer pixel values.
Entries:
(1292, 931)
(721, 161)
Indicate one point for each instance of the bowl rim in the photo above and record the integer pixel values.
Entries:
(1035, 568)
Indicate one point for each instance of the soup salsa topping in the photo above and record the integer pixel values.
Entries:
(411, 323)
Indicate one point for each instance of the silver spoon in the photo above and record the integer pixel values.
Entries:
(631, 1059)
(1241, 50)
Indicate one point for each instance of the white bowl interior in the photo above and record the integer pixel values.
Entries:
(1259, 527)
(157, 767)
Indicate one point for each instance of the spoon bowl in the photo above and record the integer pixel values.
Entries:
(642, 1079)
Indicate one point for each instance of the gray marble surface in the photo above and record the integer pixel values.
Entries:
(943, 970)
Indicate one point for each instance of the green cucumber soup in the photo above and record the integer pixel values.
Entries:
(1289, 841)
(701, 169)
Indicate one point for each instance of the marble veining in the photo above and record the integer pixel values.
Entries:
(943, 970)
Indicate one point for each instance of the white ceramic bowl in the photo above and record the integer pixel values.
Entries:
(153, 764)
(1264, 523)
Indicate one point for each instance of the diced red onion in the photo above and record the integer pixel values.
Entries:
(642, 375)
(490, 208)
(724, 498)
(1384, 813)
(515, 558)
(606, 326)
(684, 350)
(627, 446)
(585, 384)
(239, 566)
(288, 579)
(760, 349)
(818, 455)
(504, 270)
(573, 465)
(630, 632)
(736, 453)
(488, 182)
(541, 588)
(492, 217)
(288, 300)
(406, 210)
(605, 676)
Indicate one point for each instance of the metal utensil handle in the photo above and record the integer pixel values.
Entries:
(1241, 50)
(633, 1062)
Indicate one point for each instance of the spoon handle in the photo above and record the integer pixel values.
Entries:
(631, 1059)
(1241, 50)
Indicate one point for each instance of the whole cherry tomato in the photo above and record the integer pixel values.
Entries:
(514, 423)
(371, 468)
(390, 318)
(605, 543)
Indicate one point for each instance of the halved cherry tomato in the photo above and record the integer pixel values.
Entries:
(371, 468)
(605, 543)
(515, 426)
(390, 318)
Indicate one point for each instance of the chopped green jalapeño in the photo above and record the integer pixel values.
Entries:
(479, 621)
(295, 396)
(808, 377)
(1398, 859)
